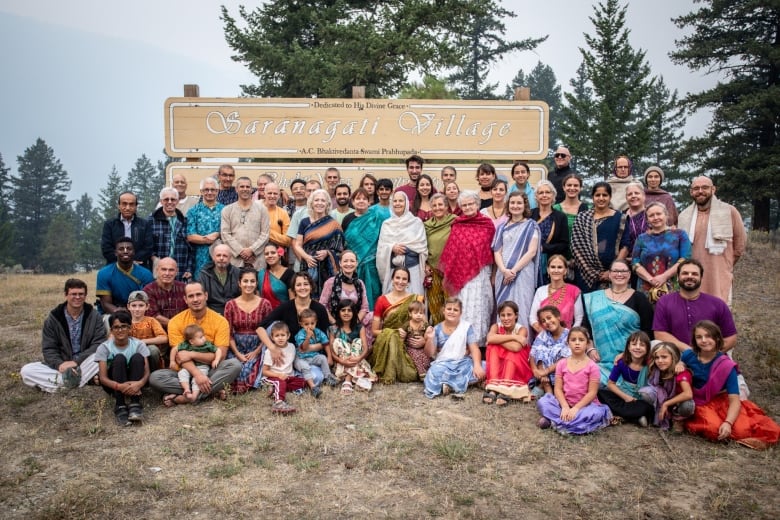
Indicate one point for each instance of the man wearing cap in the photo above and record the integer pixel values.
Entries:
(562, 159)
(166, 293)
(116, 281)
(71, 334)
(147, 329)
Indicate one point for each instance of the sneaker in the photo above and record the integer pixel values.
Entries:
(316, 391)
(642, 421)
(331, 381)
(543, 423)
(136, 413)
(282, 408)
(120, 412)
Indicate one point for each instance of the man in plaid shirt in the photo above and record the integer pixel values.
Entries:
(169, 232)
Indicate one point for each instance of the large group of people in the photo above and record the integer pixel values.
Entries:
(599, 313)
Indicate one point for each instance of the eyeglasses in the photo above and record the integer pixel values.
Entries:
(170, 200)
(622, 167)
(560, 156)
(120, 327)
(209, 190)
(619, 271)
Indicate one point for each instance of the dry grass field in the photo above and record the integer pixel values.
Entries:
(391, 453)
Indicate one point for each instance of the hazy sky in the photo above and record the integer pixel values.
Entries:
(90, 77)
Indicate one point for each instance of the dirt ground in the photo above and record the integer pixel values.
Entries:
(390, 453)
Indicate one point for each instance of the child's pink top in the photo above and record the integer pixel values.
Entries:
(575, 384)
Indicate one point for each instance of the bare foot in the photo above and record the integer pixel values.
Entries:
(170, 400)
(221, 395)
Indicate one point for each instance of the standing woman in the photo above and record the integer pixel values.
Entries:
(497, 210)
(553, 227)
(654, 176)
(521, 171)
(274, 281)
(361, 232)
(421, 206)
(636, 223)
(368, 183)
(345, 285)
(571, 205)
(657, 253)
(320, 241)
(595, 240)
(561, 295)
(452, 192)
(402, 242)
(516, 253)
(466, 262)
(486, 177)
(437, 231)
(244, 314)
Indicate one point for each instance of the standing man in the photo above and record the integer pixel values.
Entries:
(262, 181)
(166, 293)
(448, 174)
(219, 279)
(622, 175)
(298, 199)
(245, 227)
(179, 183)
(332, 179)
(127, 224)
(414, 166)
(277, 216)
(718, 237)
(116, 281)
(342, 209)
(169, 231)
(384, 190)
(216, 329)
(71, 334)
(227, 193)
(203, 223)
(562, 160)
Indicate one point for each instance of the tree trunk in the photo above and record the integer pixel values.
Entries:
(760, 221)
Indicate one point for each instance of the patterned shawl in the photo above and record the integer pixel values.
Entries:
(467, 251)
(594, 241)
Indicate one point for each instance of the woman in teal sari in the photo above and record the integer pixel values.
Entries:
(361, 231)
(273, 282)
(612, 315)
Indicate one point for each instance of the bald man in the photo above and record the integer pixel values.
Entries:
(179, 183)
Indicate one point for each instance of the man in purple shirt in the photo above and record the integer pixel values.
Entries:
(677, 313)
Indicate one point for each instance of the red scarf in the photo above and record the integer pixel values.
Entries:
(467, 251)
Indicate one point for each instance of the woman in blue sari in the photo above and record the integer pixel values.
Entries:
(361, 232)
(516, 253)
(612, 315)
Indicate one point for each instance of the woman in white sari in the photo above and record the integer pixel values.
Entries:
(402, 243)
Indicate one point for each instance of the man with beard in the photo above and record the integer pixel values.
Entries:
(298, 196)
(717, 234)
(245, 227)
(677, 313)
(414, 166)
(219, 279)
(342, 209)
(562, 159)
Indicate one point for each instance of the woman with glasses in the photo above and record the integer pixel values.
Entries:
(203, 224)
(613, 314)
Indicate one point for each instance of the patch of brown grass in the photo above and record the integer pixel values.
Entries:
(390, 453)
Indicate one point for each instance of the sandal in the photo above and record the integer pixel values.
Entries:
(170, 400)
(616, 420)
(753, 443)
(489, 397)
(346, 388)
(503, 400)
(282, 407)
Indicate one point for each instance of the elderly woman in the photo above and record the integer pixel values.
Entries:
(203, 223)
(486, 178)
(654, 176)
(437, 231)
(361, 232)
(273, 282)
(516, 254)
(497, 210)
(402, 242)
(553, 227)
(595, 240)
(345, 285)
(613, 314)
(657, 253)
(458, 361)
(636, 219)
(561, 295)
(466, 262)
(320, 241)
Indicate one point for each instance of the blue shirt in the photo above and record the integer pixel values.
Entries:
(317, 337)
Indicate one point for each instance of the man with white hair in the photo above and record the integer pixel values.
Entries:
(245, 227)
(203, 221)
(562, 159)
(179, 182)
(219, 279)
(169, 232)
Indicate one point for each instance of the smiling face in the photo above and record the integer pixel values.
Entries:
(656, 217)
(451, 191)
(400, 280)
(619, 274)
(244, 189)
(469, 206)
(702, 191)
(413, 170)
(705, 341)
(298, 191)
(248, 283)
(179, 183)
(638, 350)
(169, 201)
(75, 298)
(516, 206)
(424, 187)
(601, 198)
(498, 192)
(166, 271)
(520, 174)
(319, 204)
(302, 287)
(383, 192)
(345, 313)
(348, 263)
(689, 277)
(452, 312)
(342, 196)
(399, 204)
(360, 203)
(125, 252)
(544, 196)
(485, 178)
(549, 321)
(271, 255)
(556, 268)
(562, 157)
(572, 188)
(195, 297)
(332, 178)
(635, 196)
(438, 207)
(209, 193)
(508, 318)
(272, 193)
(226, 177)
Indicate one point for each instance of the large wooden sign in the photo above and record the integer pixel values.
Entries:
(351, 174)
(355, 128)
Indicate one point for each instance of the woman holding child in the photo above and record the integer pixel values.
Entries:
(244, 314)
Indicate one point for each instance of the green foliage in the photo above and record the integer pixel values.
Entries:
(89, 226)
(59, 253)
(544, 86)
(430, 88)
(108, 198)
(486, 43)
(144, 180)
(323, 48)
(6, 225)
(38, 194)
(737, 40)
(616, 80)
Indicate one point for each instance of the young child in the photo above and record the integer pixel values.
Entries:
(413, 334)
(670, 394)
(550, 346)
(574, 408)
(194, 341)
(281, 377)
(310, 342)
(123, 368)
(348, 348)
(148, 329)
(628, 375)
(507, 369)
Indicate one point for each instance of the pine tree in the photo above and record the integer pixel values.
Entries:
(430, 88)
(144, 181)
(39, 192)
(579, 122)
(89, 226)
(108, 198)
(738, 41)
(6, 225)
(59, 253)
(544, 86)
(620, 80)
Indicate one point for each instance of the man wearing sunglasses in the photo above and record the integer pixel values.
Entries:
(562, 159)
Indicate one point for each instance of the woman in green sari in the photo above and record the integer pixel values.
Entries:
(389, 358)
(361, 231)
(437, 230)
